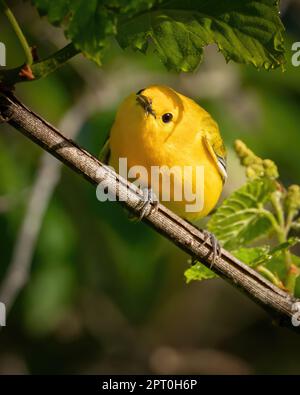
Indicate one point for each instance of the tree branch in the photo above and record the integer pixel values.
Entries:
(278, 303)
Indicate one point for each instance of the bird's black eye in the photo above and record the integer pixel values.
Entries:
(167, 117)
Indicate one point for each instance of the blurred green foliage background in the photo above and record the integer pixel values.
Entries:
(103, 294)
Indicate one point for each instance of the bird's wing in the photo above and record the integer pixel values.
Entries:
(105, 152)
(217, 151)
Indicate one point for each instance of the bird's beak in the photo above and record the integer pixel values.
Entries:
(145, 103)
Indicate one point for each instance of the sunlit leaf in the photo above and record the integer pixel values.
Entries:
(254, 256)
(87, 23)
(199, 272)
(241, 218)
(251, 255)
(245, 31)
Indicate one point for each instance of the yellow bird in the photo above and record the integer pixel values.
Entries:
(159, 127)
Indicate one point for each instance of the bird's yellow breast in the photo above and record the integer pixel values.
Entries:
(144, 140)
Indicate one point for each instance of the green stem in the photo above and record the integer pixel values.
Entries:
(289, 221)
(54, 61)
(279, 227)
(16, 27)
(270, 276)
(288, 261)
(292, 274)
(279, 214)
(282, 234)
(271, 218)
(40, 69)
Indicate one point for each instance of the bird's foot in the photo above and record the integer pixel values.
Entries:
(148, 205)
(216, 247)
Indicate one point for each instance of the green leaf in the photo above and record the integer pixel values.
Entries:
(130, 7)
(56, 11)
(241, 218)
(199, 272)
(90, 26)
(291, 242)
(245, 31)
(277, 265)
(251, 255)
(264, 254)
(87, 23)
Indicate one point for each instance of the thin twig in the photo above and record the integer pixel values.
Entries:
(281, 305)
(16, 27)
(40, 69)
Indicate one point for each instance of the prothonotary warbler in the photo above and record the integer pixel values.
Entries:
(159, 128)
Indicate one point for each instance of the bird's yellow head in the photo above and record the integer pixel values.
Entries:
(155, 110)
(159, 119)
(160, 106)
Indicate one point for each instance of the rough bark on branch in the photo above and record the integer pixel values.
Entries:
(278, 303)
